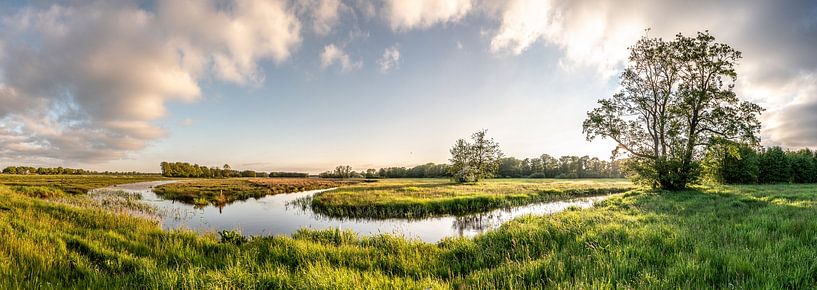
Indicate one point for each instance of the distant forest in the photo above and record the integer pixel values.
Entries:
(63, 171)
(544, 166)
(184, 169)
(733, 163)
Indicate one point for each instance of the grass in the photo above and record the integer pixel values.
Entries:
(54, 185)
(224, 191)
(412, 198)
(744, 237)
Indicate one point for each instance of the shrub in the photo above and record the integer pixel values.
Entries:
(232, 237)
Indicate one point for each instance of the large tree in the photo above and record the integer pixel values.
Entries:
(675, 97)
(475, 160)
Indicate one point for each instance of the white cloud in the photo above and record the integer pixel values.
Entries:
(90, 78)
(390, 59)
(332, 54)
(404, 15)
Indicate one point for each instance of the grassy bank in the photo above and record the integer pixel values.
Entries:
(224, 191)
(53, 185)
(391, 198)
(731, 237)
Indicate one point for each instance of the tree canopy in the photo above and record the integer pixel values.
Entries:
(676, 96)
(474, 160)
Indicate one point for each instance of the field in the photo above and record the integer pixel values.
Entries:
(744, 237)
(224, 191)
(71, 184)
(409, 198)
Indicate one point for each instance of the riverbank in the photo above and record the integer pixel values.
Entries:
(723, 237)
(417, 198)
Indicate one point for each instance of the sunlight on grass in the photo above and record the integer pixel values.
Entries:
(427, 197)
(745, 237)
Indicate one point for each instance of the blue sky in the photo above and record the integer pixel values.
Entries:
(276, 85)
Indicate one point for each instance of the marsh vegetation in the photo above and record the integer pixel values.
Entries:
(224, 191)
(417, 198)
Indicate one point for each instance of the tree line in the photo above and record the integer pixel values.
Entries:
(569, 166)
(184, 169)
(734, 163)
(63, 171)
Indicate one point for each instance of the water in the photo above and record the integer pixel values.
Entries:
(280, 214)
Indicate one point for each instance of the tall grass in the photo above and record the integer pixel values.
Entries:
(412, 198)
(744, 237)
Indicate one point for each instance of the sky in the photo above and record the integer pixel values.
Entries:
(274, 85)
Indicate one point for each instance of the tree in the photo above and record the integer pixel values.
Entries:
(475, 160)
(676, 96)
(731, 163)
(803, 167)
(774, 166)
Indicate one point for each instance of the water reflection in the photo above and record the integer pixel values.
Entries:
(286, 213)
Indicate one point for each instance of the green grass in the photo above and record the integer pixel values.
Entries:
(744, 237)
(224, 191)
(54, 185)
(411, 198)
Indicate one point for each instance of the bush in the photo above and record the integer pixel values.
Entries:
(232, 237)
(537, 175)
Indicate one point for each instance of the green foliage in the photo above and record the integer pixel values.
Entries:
(774, 166)
(475, 160)
(184, 169)
(676, 97)
(288, 174)
(564, 167)
(341, 171)
(232, 237)
(62, 171)
(803, 166)
(731, 163)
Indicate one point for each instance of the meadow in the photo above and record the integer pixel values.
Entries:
(53, 185)
(413, 198)
(758, 236)
(223, 191)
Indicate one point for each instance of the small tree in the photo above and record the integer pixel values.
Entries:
(475, 160)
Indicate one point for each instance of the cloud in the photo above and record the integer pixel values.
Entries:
(404, 15)
(325, 14)
(390, 59)
(334, 55)
(90, 78)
